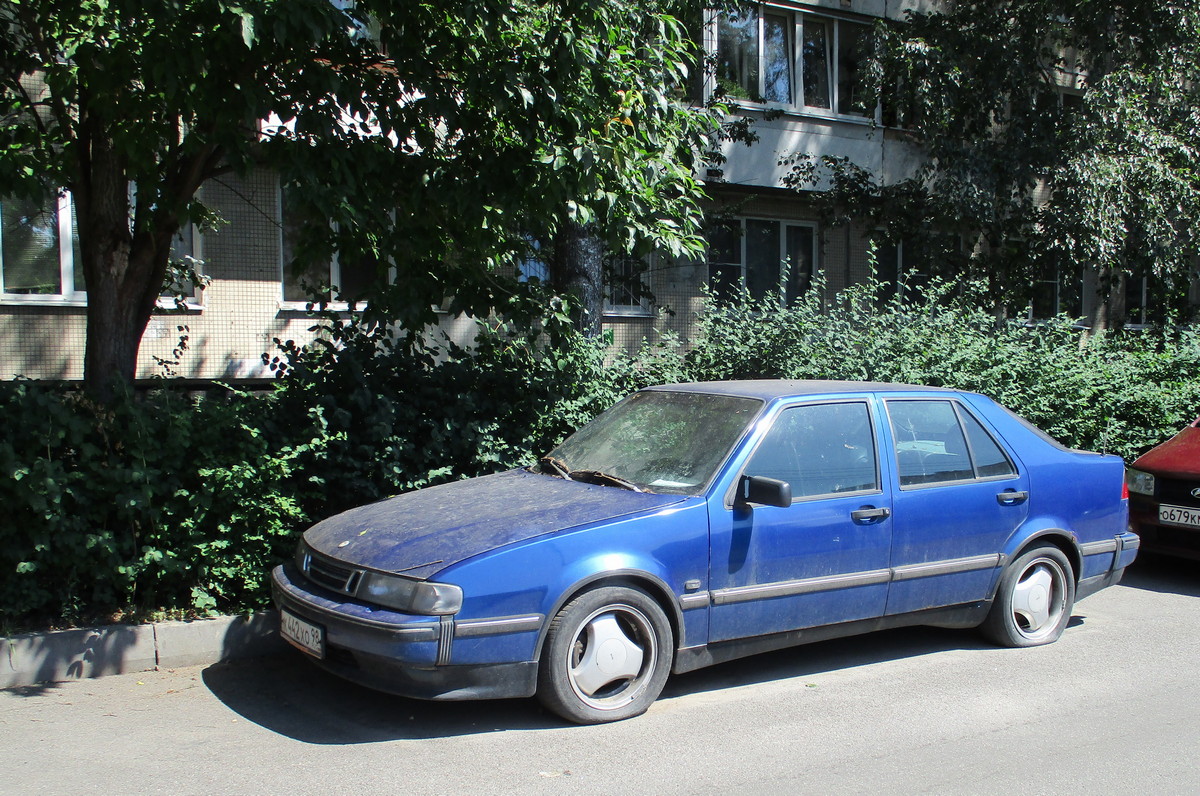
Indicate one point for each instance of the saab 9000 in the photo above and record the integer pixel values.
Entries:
(692, 524)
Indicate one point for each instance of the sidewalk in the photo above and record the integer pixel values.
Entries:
(58, 655)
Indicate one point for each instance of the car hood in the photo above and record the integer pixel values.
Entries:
(1178, 457)
(422, 532)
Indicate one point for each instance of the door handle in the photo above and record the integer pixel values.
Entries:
(869, 514)
(1012, 497)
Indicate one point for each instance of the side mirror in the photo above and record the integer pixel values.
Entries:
(764, 491)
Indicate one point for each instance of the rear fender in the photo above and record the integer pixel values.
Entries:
(1040, 533)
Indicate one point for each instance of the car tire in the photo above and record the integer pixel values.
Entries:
(606, 657)
(1033, 601)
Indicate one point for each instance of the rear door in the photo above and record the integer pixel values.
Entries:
(958, 497)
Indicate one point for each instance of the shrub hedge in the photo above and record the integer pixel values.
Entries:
(178, 504)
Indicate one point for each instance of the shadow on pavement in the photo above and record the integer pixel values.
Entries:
(288, 695)
(1159, 573)
(826, 656)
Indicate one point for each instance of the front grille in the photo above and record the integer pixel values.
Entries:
(332, 574)
(1177, 492)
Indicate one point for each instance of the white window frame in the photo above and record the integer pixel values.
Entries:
(193, 302)
(531, 265)
(784, 253)
(1054, 287)
(640, 309)
(795, 35)
(69, 295)
(335, 270)
(1143, 306)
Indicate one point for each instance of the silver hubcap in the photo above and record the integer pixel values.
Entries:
(612, 656)
(1038, 599)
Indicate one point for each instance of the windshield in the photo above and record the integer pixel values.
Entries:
(656, 440)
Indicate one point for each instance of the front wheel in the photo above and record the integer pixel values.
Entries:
(1033, 601)
(607, 656)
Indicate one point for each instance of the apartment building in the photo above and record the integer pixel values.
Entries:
(794, 67)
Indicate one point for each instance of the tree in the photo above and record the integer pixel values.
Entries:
(440, 137)
(1054, 131)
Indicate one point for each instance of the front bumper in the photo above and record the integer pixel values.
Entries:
(409, 655)
(1173, 540)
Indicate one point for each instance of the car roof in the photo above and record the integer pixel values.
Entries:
(770, 389)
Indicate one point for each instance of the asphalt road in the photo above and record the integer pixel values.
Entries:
(1112, 708)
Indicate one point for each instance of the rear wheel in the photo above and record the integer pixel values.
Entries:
(1033, 601)
(607, 656)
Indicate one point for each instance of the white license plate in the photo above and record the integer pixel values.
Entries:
(302, 634)
(1178, 515)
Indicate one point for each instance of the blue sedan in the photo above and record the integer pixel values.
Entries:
(692, 524)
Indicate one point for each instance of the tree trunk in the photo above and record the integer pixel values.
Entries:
(117, 315)
(578, 270)
(1110, 310)
(124, 272)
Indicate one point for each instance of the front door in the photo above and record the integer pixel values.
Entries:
(824, 558)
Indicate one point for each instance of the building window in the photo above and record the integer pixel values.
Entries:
(803, 60)
(625, 291)
(1137, 295)
(39, 253)
(1057, 291)
(532, 265)
(905, 267)
(338, 278)
(763, 256)
(181, 290)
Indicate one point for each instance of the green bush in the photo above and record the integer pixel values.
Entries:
(1119, 392)
(168, 503)
(160, 503)
(396, 415)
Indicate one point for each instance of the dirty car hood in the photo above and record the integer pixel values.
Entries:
(421, 532)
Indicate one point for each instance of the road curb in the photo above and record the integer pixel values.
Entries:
(61, 655)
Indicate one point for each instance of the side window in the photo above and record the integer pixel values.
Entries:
(932, 448)
(990, 458)
(820, 449)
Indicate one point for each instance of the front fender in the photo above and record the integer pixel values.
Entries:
(662, 551)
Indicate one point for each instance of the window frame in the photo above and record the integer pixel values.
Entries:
(639, 309)
(69, 295)
(1058, 289)
(335, 271)
(194, 301)
(795, 63)
(959, 409)
(777, 417)
(785, 263)
(895, 267)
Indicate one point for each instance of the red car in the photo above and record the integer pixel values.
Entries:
(1164, 495)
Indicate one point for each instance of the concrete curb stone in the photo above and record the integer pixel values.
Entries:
(62, 655)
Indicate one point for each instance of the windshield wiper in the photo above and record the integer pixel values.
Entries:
(557, 465)
(604, 478)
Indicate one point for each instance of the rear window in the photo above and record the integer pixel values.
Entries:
(1045, 437)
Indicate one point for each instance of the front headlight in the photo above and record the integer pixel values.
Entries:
(1139, 482)
(410, 596)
